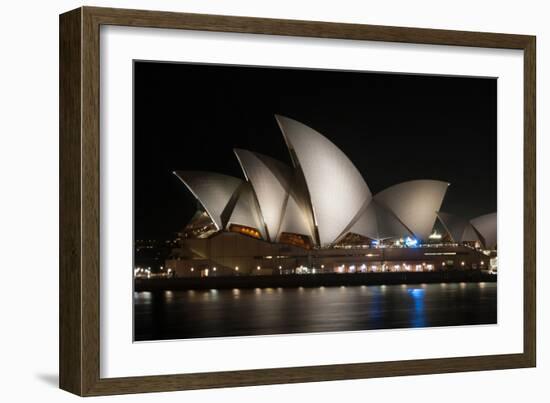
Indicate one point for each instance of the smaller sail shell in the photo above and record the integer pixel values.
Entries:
(415, 204)
(486, 225)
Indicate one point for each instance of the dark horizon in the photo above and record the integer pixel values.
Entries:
(393, 127)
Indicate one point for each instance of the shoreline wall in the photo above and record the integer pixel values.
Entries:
(311, 280)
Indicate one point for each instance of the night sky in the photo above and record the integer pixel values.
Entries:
(393, 127)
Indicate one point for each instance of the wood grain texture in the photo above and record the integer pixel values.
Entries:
(80, 195)
(530, 204)
(70, 271)
(316, 29)
(90, 202)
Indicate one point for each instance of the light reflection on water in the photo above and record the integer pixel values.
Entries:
(144, 297)
(240, 312)
(418, 317)
(169, 296)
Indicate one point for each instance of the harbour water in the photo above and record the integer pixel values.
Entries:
(164, 315)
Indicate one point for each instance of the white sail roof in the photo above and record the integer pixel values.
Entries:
(486, 225)
(212, 190)
(458, 228)
(415, 203)
(270, 180)
(295, 219)
(323, 196)
(378, 223)
(245, 210)
(337, 191)
(226, 199)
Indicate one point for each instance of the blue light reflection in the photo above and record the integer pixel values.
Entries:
(418, 318)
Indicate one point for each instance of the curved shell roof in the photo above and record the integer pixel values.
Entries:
(458, 228)
(378, 223)
(296, 218)
(245, 210)
(486, 225)
(415, 204)
(212, 190)
(324, 196)
(337, 191)
(225, 198)
(270, 180)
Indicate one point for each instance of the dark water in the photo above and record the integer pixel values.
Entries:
(241, 312)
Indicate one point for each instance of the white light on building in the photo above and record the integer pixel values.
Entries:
(435, 235)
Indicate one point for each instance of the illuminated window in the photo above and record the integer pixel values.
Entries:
(301, 241)
(241, 229)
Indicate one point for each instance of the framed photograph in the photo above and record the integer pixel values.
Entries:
(249, 201)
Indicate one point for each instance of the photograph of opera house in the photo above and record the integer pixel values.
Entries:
(278, 201)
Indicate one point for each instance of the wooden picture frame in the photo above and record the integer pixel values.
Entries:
(79, 201)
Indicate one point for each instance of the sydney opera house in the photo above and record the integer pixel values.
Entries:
(319, 215)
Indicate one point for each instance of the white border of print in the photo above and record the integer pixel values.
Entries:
(121, 357)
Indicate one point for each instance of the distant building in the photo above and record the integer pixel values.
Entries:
(318, 215)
